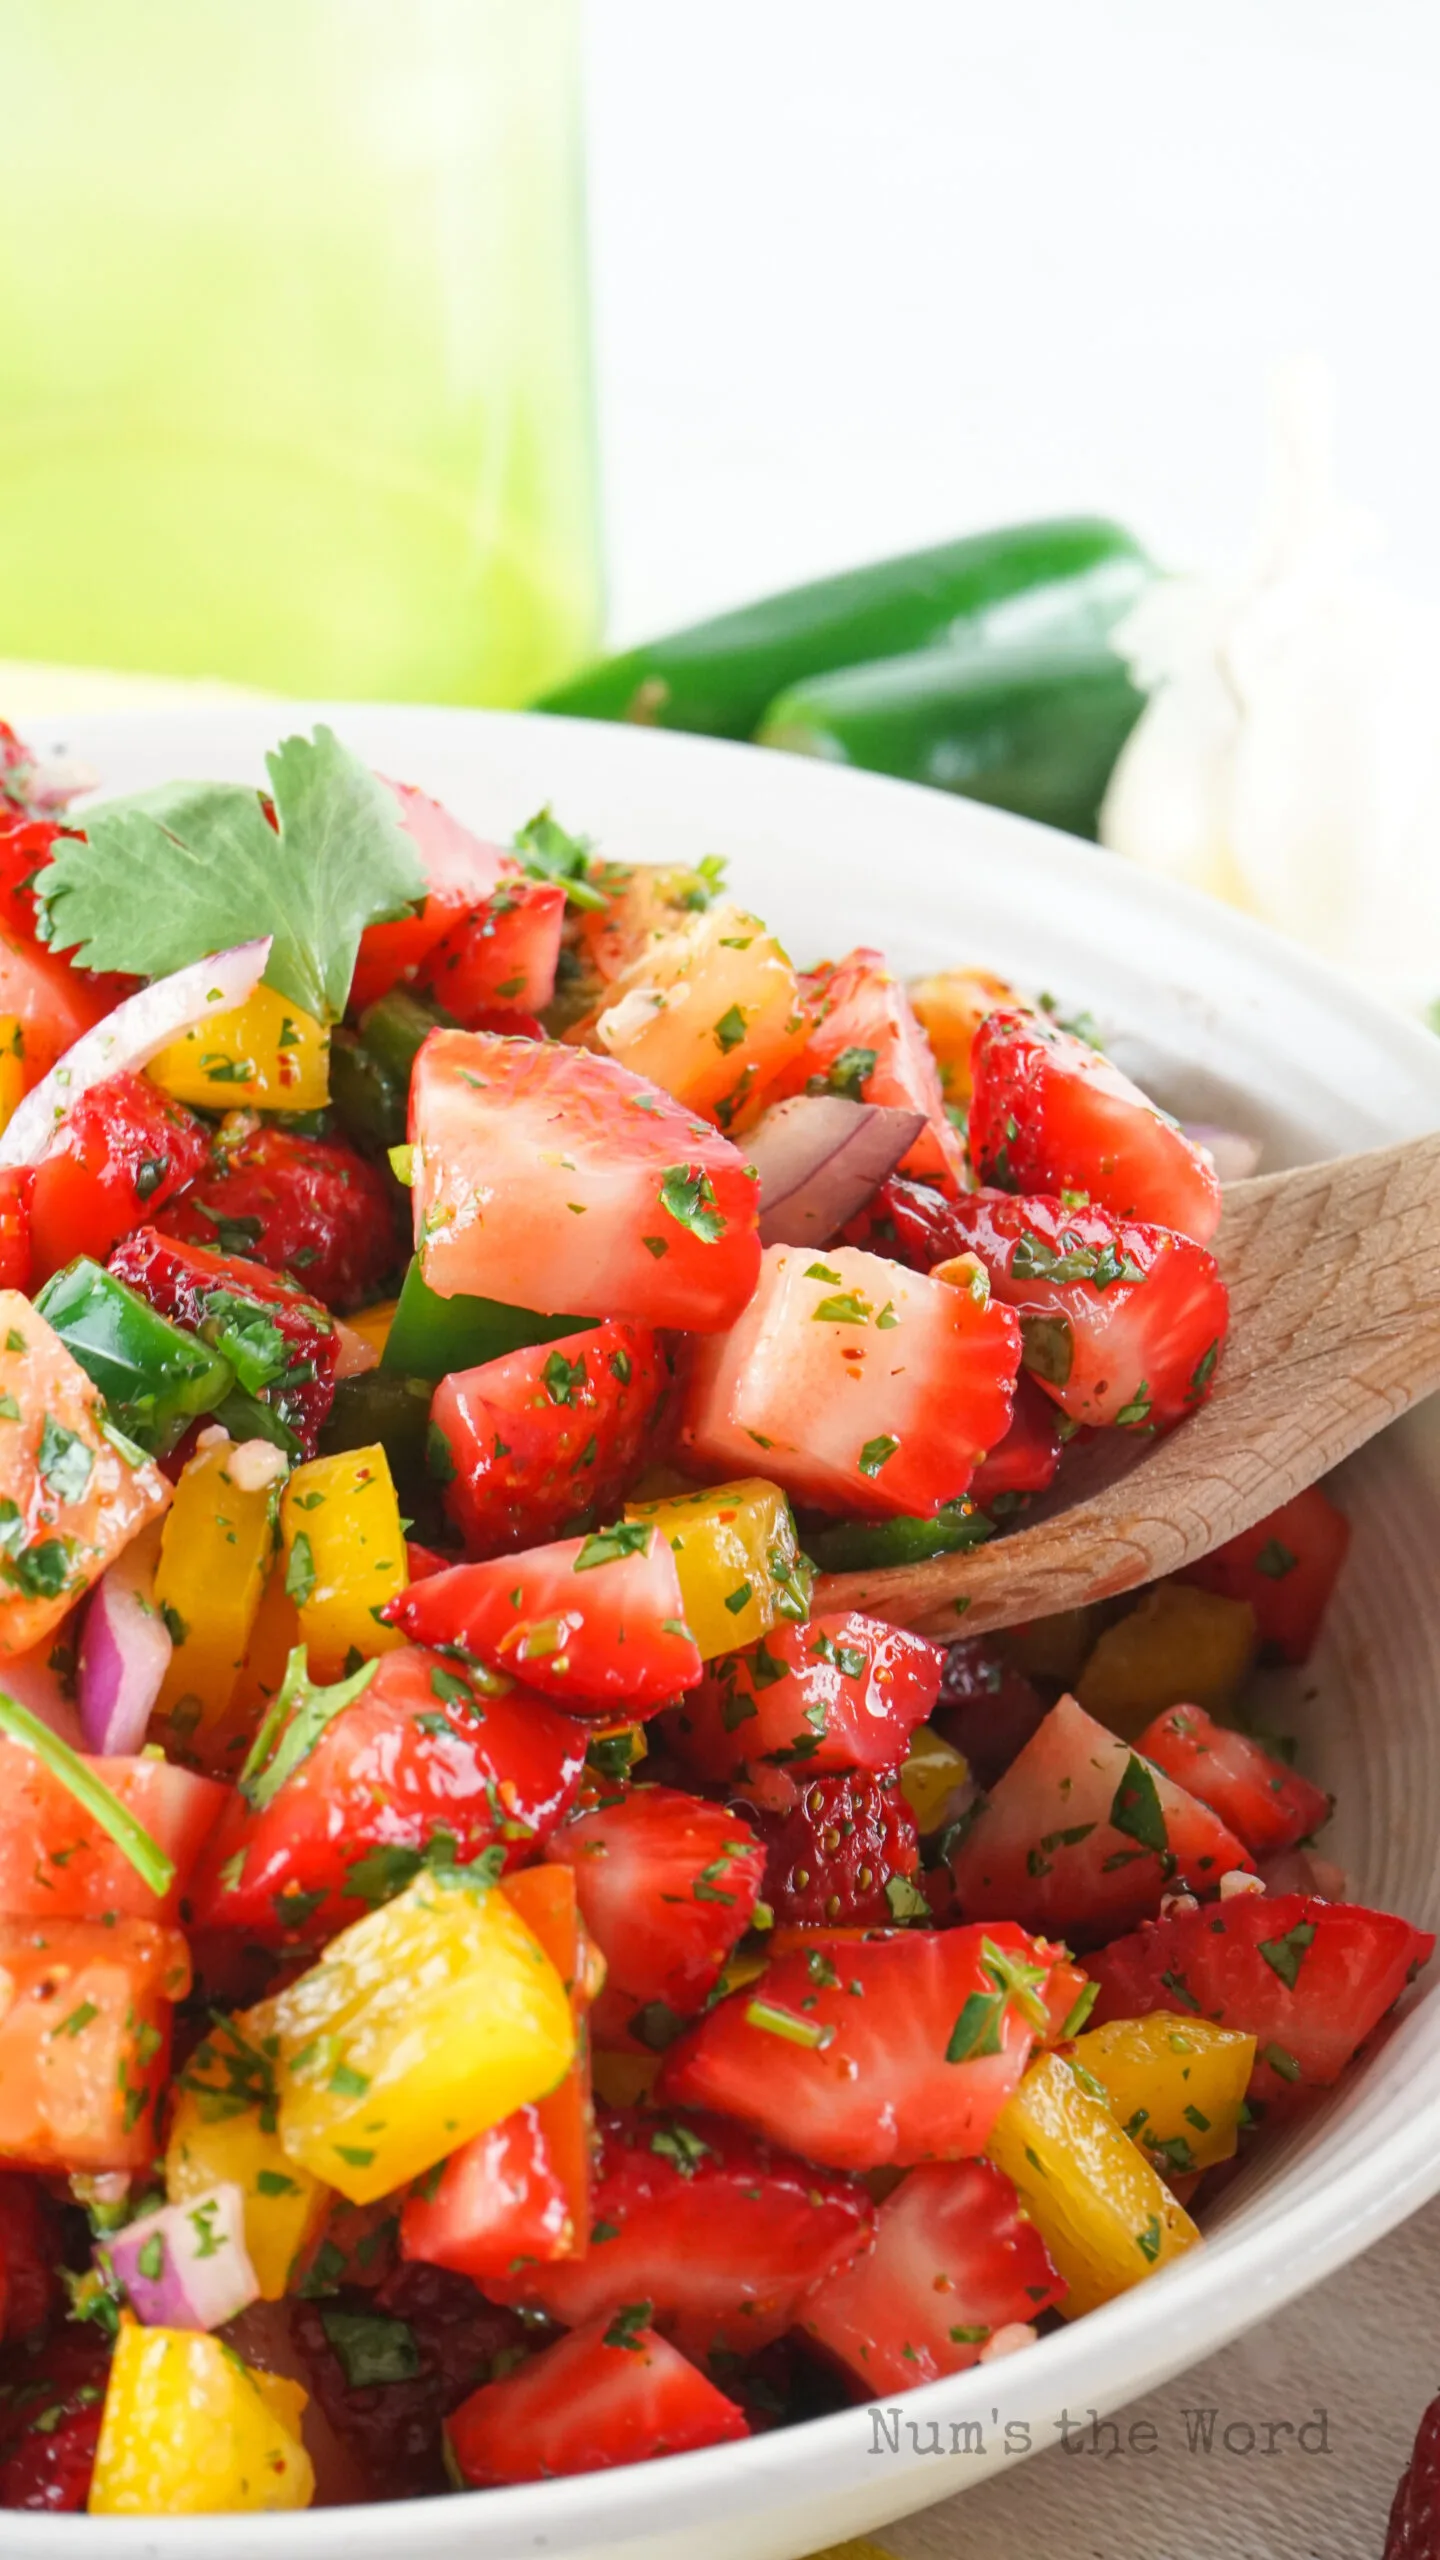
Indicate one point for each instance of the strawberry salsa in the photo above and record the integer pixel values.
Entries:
(505, 1967)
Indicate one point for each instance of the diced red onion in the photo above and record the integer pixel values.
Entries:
(820, 1158)
(1233, 1155)
(130, 1037)
(187, 2266)
(124, 1652)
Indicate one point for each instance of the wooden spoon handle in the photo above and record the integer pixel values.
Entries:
(1334, 1278)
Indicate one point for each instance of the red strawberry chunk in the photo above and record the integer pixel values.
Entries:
(191, 1285)
(1049, 1114)
(29, 2254)
(550, 1438)
(612, 2392)
(1082, 1836)
(865, 1042)
(449, 2337)
(987, 1708)
(667, 1885)
(499, 2199)
(839, 1372)
(1310, 1980)
(1027, 1459)
(421, 1762)
(51, 2404)
(954, 2262)
(875, 2052)
(845, 1853)
(1285, 1567)
(593, 1622)
(121, 1152)
(1122, 1323)
(911, 1222)
(460, 871)
(1267, 1805)
(1413, 2529)
(843, 1692)
(309, 1206)
(717, 2232)
(550, 1178)
(501, 956)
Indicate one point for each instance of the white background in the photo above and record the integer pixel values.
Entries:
(873, 272)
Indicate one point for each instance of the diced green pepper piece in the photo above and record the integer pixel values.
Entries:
(155, 1377)
(369, 1104)
(394, 1027)
(431, 1336)
(856, 1546)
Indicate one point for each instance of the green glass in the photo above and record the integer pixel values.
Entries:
(294, 366)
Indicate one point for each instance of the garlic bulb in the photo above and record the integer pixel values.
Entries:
(1288, 758)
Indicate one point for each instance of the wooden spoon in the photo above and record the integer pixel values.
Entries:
(1334, 1279)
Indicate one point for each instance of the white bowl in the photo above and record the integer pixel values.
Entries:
(1227, 1024)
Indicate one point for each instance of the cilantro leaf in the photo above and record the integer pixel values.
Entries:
(293, 1726)
(166, 876)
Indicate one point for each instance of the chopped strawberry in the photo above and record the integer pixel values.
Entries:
(872, 2053)
(1267, 1805)
(420, 1765)
(501, 956)
(460, 870)
(29, 2254)
(26, 846)
(1050, 1114)
(544, 1441)
(1082, 1836)
(1285, 1567)
(309, 1206)
(120, 1153)
(612, 2392)
(839, 1371)
(1122, 1323)
(954, 2261)
(667, 1885)
(865, 1043)
(51, 2405)
(1413, 2529)
(846, 1853)
(987, 1708)
(497, 2201)
(843, 1692)
(720, 2234)
(17, 1268)
(593, 1622)
(1309, 1980)
(282, 1341)
(551, 1179)
(439, 2337)
(911, 1222)
(1028, 1457)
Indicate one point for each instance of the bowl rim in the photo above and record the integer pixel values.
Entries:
(1203, 2300)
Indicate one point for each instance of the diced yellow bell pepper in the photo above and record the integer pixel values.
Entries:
(950, 1008)
(712, 1013)
(1106, 2218)
(344, 1557)
(1051, 1648)
(266, 1052)
(373, 1324)
(188, 2430)
(215, 1552)
(929, 1776)
(424, 2023)
(1177, 2085)
(218, 2131)
(1181, 1647)
(737, 1556)
(14, 1083)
